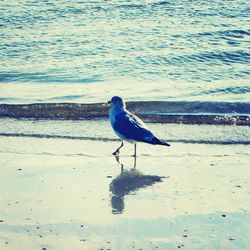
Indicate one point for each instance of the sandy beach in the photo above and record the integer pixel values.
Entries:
(72, 194)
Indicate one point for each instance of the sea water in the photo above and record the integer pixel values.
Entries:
(88, 51)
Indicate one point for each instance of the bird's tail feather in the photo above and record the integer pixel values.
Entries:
(156, 141)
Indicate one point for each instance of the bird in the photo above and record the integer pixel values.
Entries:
(128, 127)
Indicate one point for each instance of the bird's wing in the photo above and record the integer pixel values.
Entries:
(132, 128)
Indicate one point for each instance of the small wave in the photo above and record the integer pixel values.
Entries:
(162, 3)
(49, 136)
(43, 78)
(231, 142)
(7, 99)
(219, 34)
(21, 152)
(212, 56)
(233, 90)
(106, 139)
(132, 6)
(152, 111)
(67, 97)
(235, 33)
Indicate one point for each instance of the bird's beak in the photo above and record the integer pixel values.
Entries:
(107, 104)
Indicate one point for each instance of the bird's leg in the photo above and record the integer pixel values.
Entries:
(134, 162)
(134, 155)
(117, 150)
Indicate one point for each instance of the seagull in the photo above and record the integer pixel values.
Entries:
(128, 126)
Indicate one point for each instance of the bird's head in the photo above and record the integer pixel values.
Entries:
(117, 102)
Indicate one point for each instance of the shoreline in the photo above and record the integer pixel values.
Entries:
(105, 139)
(100, 130)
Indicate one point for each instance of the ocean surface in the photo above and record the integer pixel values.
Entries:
(88, 51)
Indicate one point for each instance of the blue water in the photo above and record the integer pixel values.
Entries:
(87, 51)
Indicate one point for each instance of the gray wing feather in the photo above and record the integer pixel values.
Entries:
(131, 127)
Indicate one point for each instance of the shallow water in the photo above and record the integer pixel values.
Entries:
(87, 51)
(101, 130)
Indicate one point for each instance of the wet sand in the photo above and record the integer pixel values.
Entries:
(72, 194)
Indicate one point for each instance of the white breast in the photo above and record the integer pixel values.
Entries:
(112, 115)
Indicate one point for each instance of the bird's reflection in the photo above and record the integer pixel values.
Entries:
(127, 182)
